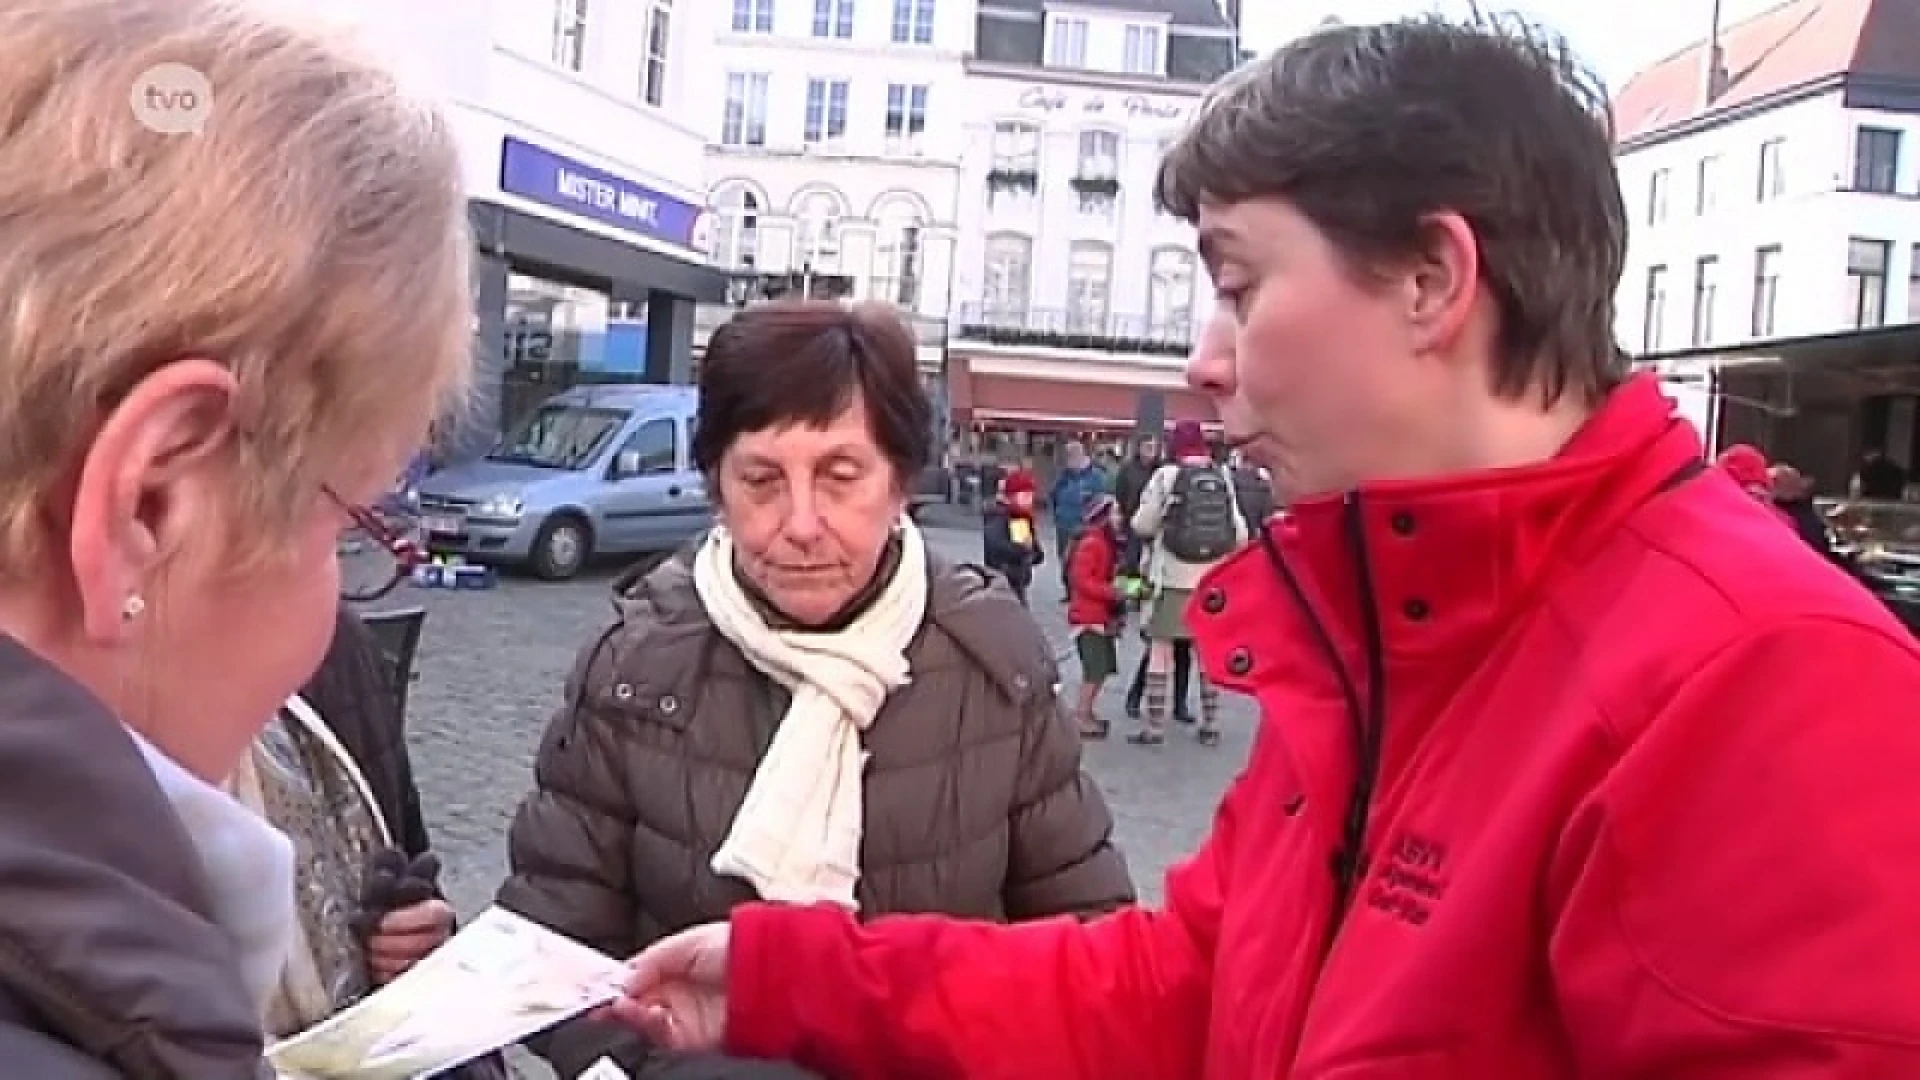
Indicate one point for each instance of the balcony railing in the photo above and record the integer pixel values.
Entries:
(1062, 328)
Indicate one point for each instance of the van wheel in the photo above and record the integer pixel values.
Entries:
(562, 547)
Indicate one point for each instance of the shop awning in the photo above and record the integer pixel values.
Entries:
(1824, 367)
(1014, 399)
(1028, 419)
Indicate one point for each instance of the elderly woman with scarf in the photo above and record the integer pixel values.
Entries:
(806, 706)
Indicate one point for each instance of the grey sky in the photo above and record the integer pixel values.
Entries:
(1617, 37)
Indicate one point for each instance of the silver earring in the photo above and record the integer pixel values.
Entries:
(133, 608)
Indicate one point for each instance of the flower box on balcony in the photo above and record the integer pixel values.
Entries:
(1000, 180)
(1105, 187)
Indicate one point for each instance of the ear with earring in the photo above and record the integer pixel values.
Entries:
(133, 608)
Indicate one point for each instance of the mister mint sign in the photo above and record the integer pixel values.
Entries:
(533, 173)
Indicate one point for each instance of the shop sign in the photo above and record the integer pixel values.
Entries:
(545, 177)
(1130, 107)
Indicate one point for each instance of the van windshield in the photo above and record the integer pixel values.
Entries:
(559, 437)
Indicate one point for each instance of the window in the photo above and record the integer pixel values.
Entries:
(1867, 281)
(896, 266)
(816, 239)
(1656, 309)
(550, 324)
(1067, 43)
(736, 241)
(826, 109)
(1657, 185)
(1170, 288)
(745, 121)
(1766, 289)
(653, 449)
(1773, 176)
(833, 18)
(1016, 147)
(1098, 175)
(1913, 287)
(653, 66)
(570, 34)
(1706, 193)
(1099, 155)
(753, 16)
(906, 116)
(1876, 160)
(913, 22)
(1089, 272)
(1007, 280)
(562, 436)
(1706, 296)
(1142, 55)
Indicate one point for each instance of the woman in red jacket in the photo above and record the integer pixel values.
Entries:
(1573, 763)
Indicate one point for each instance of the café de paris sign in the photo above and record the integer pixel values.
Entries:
(1132, 107)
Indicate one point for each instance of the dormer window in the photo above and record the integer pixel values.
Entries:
(1066, 41)
(1145, 52)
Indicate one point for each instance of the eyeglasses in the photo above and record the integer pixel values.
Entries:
(371, 574)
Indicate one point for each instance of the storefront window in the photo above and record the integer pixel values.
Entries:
(554, 325)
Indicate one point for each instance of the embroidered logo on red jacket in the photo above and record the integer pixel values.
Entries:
(1412, 881)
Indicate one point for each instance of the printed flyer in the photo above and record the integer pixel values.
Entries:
(499, 980)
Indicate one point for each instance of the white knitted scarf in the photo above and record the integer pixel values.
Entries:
(797, 836)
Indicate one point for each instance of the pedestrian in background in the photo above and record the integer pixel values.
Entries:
(1010, 534)
(1129, 484)
(1252, 488)
(1074, 489)
(1095, 607)
(1190, 514)
(808, 705)
(212, 346)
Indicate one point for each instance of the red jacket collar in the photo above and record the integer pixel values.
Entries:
(1447, 560)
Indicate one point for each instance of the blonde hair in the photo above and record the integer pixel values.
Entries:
(311, 238)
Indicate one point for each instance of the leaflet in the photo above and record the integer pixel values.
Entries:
(499, 980)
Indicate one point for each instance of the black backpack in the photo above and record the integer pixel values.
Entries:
(1201, 523)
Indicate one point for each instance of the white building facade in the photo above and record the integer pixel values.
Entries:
(1794, 221)
(1771, 177)
(585, 176)
(834, 144)
(1073, 295)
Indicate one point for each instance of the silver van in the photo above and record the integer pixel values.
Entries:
(596, 470)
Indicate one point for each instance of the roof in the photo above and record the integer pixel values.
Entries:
(1191, 14)
(1797, 44)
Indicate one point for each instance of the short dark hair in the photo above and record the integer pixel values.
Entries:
(1369, 130)
(802, 362)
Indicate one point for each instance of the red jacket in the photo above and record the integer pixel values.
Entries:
(1645, 806)
(1091, 597)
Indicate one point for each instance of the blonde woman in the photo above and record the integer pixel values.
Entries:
(212, 346)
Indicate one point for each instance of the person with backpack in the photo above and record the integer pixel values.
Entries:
(1190, 513)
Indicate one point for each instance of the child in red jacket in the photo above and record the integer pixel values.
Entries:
(1094, 607)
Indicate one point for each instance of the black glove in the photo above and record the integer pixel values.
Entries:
(394, 882)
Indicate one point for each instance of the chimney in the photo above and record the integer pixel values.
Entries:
(1713, 63)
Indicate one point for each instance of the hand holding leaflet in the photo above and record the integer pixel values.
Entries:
(497, 981)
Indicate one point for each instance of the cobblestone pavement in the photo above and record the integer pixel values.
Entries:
(491, 667)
